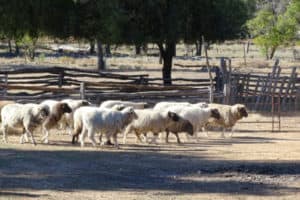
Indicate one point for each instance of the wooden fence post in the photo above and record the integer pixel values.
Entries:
(6, 84)
(297, 99)
(61, 79)
(82, 90)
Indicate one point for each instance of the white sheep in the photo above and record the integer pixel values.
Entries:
(66, 121)
(166, 104)
(25, 116)
(107, 121)
(197, 116)
(135, 105)
(77, 118)
(229, 116)
(150, 120)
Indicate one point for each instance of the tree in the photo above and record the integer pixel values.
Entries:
(271, 30)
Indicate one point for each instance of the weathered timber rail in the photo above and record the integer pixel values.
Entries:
(27, 83)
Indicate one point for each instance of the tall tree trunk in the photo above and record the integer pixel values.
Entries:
(101, 64)
(272, 52)
(17, 49)
(145, 48)
(92, 47)
(199, 48)
(138, 48)
(9, 46)
(167, 55)
(107, 50)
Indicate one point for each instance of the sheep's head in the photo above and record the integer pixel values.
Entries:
(42, 112)
(118, 107)
(85, 103)
(202, 104)
(65, 108)
(173, 116)
(214, 113)
(241, 110)
(187, 127)
(131, 113)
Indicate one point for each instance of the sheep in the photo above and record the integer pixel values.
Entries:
(151, 120)
(183, 125)
(229, 116)
(77, 118)
(66, 121)
(107, 121)
(58, 110)
(135, 105)
(166, 104)
(26, 116)
(4, 103)
(197, 116)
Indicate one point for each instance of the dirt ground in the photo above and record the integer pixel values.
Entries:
(254, 164)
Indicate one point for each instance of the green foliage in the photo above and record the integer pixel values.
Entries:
(29, 45)
(271, 31)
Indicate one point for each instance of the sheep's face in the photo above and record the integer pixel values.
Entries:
(242, 111)
(187, 127)
(131, 113)
(85, 103)
(42, 113)
(215, 113)
(173, 116)
(65, 108)
(118, 107)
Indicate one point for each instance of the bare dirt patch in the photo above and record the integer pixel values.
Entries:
(254, 164)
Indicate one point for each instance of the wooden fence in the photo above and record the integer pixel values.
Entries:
(27, 83)
(262, 92)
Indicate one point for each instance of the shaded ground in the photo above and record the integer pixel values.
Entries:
(252, 165)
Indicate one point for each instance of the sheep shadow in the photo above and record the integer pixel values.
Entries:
(71, 170)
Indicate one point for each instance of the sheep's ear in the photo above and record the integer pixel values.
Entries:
(215, 113)
(121, 107)
(85, 103)
(173, 116)
(243, 112)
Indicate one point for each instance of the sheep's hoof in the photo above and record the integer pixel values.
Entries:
(46, 142)
(108, 142)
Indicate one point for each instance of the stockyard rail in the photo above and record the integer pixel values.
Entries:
(34, 84)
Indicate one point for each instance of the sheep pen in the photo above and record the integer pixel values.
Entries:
(254, 164)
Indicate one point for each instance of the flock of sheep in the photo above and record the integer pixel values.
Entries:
(80, 119)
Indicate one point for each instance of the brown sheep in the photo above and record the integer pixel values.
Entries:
(51, 121)
(229, 116)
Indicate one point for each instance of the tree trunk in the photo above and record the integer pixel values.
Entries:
(167, 55)
(199, 48)
(9, 46)
(101, 64)
(272, 52)
(107, 50)
(17, 50)
(92, 47)
(138, 49)
(145, 48)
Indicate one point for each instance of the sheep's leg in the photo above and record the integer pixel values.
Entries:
(91, 133)
(82, 137)
(231, 132)
(4, 130)
(31, 137)
(177, 137)
(154, 139)
(167, 136)
(115, 140)
(46, 135)
(223, 133)
(125, 135)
